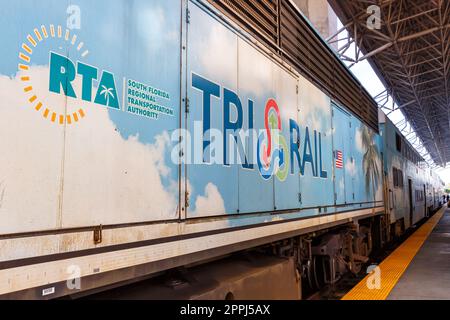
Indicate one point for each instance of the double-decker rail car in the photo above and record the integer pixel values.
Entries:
(413, 191)
(141, 136)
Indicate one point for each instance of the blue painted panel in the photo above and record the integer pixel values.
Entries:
(79, 59)
(256, 83)
(212, 70)
(341, 144)
(265, 98)
(358, 176)
(314, 118)
(349, 165)
(142, 52)
(287, 184)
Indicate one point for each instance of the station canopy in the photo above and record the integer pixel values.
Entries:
(410, 52)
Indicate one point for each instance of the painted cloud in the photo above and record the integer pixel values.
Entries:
(211, 203)
(105, 178)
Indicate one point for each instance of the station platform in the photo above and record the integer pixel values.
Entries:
(419, 269)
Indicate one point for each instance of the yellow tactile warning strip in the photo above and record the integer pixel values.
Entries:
(393, 267)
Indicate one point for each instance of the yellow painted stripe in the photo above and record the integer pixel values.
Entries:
(38, 106)
(53, 117)
(74, 39)
(59, 32)
(25, 78)
(393, 267)
(81, 112)
(52, 30)
(46, 112)
(27, 48)
(23, 67)
(28, 89)
(75, 117)
(33, 98)
(38, 35)
(24, 57)
(80, 46)
(61, 119)
(31, 40)
(67, 35)
(69, 119)
(44, 31)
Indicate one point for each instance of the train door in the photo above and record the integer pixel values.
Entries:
(434, 198)
(341, 150)
(286, 186)
(211, 175)
(425, 212)
(411, 207)
(315, 147)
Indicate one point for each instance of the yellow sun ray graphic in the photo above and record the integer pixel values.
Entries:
(33, 40)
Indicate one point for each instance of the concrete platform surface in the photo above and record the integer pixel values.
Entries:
(428, 275)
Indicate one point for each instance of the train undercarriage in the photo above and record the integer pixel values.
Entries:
(293, 268)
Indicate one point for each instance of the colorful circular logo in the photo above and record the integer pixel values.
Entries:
(272, 149)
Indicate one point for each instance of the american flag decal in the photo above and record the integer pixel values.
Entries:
(339, 159)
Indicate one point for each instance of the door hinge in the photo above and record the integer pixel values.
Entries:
(188, 15)
(296, 89)
(300, 197)
(186, 199)
(335, 197)
(187, 104)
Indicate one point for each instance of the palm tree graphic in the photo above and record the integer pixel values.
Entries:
(107, 92)
(370, 160)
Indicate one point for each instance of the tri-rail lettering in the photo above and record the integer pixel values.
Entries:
(274, 156)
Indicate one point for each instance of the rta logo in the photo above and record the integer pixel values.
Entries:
(63, 72)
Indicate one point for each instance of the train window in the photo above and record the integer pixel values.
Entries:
(395, 177)
(419, 195)
(398, 177)
(398, 142)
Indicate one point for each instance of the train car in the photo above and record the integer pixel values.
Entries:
(413, 190)
(141, 136)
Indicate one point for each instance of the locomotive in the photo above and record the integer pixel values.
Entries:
(141, 136)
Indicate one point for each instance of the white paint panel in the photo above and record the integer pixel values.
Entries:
(31, 276)
(31, 149)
